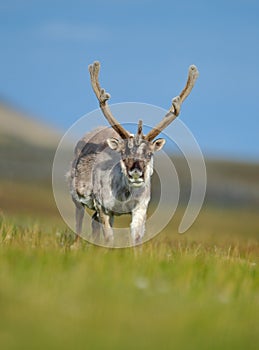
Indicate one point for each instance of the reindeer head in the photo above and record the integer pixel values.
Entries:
(136, 156)
(137, 150)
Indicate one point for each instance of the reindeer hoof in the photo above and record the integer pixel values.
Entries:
(76, 245)
(137, 239)
(109, 238)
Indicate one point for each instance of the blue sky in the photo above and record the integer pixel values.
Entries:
(145, 48)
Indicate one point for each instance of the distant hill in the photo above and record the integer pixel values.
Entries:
(229, 183)
(233, 183)
(27, 149)
(16, 125)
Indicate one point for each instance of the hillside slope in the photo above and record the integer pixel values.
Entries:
(27, 149)
(16, 125)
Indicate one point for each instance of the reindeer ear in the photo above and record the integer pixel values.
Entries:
(158, 144)
(114, 144)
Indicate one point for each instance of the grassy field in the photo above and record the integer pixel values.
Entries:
(197, 291)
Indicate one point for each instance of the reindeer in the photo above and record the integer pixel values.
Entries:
(112, 169)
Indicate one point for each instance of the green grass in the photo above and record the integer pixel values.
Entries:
(197, 291)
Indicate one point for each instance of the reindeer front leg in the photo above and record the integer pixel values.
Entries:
(137, 226)
(106, 222)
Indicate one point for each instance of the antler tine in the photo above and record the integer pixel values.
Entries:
(140, 126)
(103, 97)
(192, 76)
(174, 110)
(139, 134)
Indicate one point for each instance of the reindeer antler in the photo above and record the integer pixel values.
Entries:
(103, 97)
(174, 110)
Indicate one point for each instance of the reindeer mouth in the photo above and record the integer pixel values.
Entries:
(134, 172)
(136, 181)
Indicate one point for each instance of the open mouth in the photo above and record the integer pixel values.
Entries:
(136, 182)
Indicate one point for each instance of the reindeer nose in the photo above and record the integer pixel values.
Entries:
(136, 172)
(136, 166)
